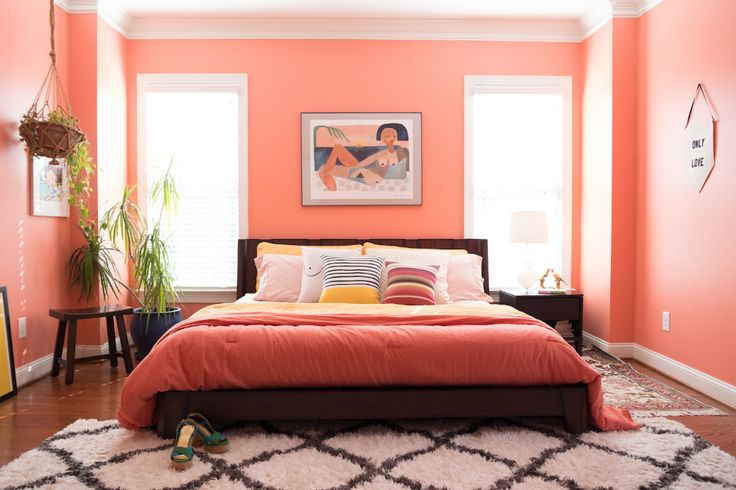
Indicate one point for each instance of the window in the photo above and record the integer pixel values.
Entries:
(200, 122)
(518, 157)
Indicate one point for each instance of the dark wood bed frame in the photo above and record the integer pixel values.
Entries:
(229, 407)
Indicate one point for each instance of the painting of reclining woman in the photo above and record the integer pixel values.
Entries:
(361, 158)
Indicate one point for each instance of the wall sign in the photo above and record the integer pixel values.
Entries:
(699, 147)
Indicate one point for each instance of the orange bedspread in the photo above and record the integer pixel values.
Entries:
(270, 345)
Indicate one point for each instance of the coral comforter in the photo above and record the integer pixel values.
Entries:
(289, 345)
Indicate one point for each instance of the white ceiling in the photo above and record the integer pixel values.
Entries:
(419, 9)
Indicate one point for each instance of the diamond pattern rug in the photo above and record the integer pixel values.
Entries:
(625, 387)
(370, 455)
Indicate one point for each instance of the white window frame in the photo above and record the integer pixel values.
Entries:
(528, 84)
(198, 82)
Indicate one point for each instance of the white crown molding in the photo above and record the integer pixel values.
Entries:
(703, 382)
(535, 30)
(594, 19)
(78, 6)
(354, 28)
(632, 9)
(116, 16)
(108, 10)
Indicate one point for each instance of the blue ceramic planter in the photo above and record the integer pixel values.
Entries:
(147, 328)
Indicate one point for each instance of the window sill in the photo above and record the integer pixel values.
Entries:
(207, 296)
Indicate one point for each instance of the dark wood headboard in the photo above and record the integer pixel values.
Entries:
(247, 252)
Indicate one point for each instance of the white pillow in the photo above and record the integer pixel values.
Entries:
(465, 279)
(417, 256)
(312, 277)
(280, 277)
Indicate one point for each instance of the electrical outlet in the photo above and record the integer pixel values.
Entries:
(22, 327)
(666, 321)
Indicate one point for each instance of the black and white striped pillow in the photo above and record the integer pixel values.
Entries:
(351, 279)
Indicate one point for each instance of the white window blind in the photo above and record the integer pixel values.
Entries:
(200, 130)
(518, 160)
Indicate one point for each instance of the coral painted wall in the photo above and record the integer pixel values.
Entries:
(609, 180)
(686, 240)
(82, 91)
(286, 77)
(596, 180)
(33, 249)
(112, 128)
(623, 178)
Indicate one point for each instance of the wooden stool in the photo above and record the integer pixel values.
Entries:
(71, 316)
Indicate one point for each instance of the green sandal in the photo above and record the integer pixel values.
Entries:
(214, 442)
(182, 454)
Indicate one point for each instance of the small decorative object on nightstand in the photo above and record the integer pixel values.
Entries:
(550, 308)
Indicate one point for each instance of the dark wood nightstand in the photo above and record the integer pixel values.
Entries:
(550, 308)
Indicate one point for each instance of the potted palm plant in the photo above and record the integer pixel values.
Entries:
(144, 244)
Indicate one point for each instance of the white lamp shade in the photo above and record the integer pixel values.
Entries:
(528, 227)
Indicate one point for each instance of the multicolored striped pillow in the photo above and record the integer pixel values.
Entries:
(351, 279)
(410, 284)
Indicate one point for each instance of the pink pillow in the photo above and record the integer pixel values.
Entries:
(465, 278)
(410, 284)
(280, 277)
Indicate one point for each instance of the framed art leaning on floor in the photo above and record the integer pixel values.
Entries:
(361, 158)
(8, 386)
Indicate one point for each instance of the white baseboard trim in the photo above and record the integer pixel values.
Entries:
(39, 368)
(623, 350)
(703, 382)
(32, 371)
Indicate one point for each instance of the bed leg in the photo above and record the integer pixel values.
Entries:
(172, 408)
(575, 407)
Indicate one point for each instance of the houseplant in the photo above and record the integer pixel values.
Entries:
(144, 244)
(92, 263)
(49, 127)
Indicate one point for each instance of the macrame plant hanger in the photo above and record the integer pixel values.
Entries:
(49, 127)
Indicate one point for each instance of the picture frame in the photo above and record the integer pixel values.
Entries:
(361, 158)
(8, 386)
(50, 193)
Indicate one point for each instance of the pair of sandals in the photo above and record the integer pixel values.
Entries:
(195, 430)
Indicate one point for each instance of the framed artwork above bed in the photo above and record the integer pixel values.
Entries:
(361, 158)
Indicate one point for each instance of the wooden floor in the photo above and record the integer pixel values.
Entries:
(46, 406)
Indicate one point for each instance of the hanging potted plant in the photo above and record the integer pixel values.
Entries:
(49, 127)
(144, 244)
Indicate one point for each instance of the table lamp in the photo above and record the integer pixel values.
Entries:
(528, 227)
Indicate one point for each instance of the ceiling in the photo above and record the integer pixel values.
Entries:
(471, 20)
(419, 9)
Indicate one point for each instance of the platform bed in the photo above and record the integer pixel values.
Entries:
(229, 407)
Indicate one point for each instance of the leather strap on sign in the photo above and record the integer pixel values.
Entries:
(699, 91)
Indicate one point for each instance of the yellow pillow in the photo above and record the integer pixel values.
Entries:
(352, 294)
(281, 249)
(453, 251)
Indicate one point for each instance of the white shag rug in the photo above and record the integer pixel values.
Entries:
(453, 454)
